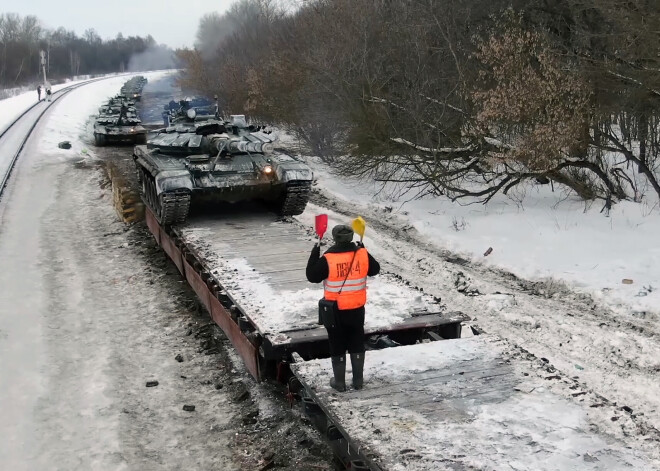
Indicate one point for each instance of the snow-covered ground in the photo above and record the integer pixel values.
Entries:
(569, 305)
(83, 326)
(546, 236)
(10, 108)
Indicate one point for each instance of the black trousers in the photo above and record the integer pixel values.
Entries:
(348, 334)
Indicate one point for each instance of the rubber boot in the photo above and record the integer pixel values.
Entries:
(357, 362)
(339, 371)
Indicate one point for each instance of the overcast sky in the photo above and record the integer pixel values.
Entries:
(170, 22)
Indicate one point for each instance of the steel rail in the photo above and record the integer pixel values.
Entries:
(60, 93)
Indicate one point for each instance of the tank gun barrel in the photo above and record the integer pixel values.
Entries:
(240, 146)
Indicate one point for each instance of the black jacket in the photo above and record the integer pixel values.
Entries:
(317, 266)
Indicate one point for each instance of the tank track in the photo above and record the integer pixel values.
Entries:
(169, 208)
(174, 207)
(295, 199)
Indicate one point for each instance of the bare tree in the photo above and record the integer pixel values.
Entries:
(463, 98)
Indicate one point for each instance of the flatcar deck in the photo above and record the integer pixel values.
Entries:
(249, 271)
(460, 405)
(260, 261)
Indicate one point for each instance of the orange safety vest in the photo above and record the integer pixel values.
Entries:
(349, 292)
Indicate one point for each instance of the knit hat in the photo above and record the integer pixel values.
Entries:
(342, 234)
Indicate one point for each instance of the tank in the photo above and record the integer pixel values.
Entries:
(121, 126)
(132, 89)
(114, 106)
(189, 110)
(215, 160)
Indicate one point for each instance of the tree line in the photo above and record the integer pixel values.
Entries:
(462, 98)
(21, 39)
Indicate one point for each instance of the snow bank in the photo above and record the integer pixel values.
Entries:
(71, 125)
(546, 236)
(10, 108)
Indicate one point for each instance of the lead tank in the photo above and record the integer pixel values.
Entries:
(218, 161)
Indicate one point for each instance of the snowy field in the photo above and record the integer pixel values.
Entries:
(77, 345)
(10, 108)
(547, 236)
(569, 305)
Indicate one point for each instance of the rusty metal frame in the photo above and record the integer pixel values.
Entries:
(348, 451)
(208, 291)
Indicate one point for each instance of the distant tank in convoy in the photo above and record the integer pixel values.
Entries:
(118, 120)
(123, 126)
(190, 110)
(132, 89)
(218, 161)
(114, 107)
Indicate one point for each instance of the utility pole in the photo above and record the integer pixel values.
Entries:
(42, 55)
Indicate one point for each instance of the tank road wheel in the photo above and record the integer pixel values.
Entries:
(160, 204)
(145, 187)
(99, 140)
(147, 191)
(169, 207)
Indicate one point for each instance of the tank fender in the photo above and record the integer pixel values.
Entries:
(289, 175)
(169, 180)
(293, 170)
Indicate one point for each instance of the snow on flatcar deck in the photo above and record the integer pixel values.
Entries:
(461, 404)
(260, 261)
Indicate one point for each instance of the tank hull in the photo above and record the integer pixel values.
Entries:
(174, 163)
(119, 134)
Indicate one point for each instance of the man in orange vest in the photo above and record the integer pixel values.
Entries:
(343, 269)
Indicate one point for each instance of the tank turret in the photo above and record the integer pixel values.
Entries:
(190, 110)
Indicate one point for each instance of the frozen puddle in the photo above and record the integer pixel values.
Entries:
(460, 404)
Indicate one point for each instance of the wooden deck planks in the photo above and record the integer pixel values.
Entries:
(459, 404)
(261, 261)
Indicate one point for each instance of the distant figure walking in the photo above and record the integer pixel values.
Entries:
(39, 92)
(48, 92)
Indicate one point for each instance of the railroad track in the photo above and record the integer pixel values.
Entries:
(6, 167)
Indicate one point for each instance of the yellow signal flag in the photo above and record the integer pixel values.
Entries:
(359, 225)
